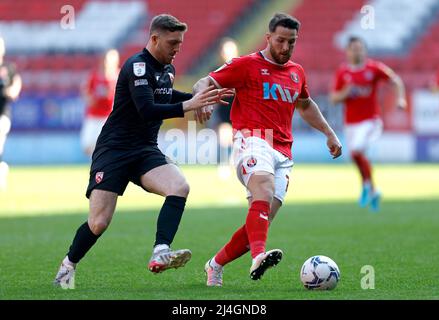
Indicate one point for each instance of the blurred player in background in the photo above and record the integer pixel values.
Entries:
(127, 151)
(356, 86)
(220, 120)
(10, 87)
(269, 87)
(99, 95)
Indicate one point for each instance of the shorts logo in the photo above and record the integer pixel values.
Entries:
(99, 176)
(139, 68)
(251, 162)
(295, 77)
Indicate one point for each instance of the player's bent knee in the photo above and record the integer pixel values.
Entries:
(98, 226)
(179, 189)
(264, 194)
(262, 188)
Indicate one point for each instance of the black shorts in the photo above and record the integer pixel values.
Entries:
(112, 169)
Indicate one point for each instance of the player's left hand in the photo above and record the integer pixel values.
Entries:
(202, 115)
(334, 146)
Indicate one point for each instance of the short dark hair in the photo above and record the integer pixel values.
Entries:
(166, 22)
(353, 39)
(283, 20)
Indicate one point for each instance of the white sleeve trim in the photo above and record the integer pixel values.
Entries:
(215, 82)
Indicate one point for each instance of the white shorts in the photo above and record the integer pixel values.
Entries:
(253, 154)
(91, 128)
(360, 136)
(5, 126)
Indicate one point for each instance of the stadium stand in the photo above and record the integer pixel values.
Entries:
(395, 26)
(45, 53)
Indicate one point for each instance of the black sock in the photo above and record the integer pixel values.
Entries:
(83, 241)
(169, 219)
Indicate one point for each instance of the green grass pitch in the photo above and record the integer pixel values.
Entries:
(43, 206)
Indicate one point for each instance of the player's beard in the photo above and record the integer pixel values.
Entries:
(280, 58)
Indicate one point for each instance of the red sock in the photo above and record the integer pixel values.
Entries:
(257, 226)
(364, 166)
(236, 247)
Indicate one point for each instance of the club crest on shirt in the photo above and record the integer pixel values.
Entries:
(294, 77)
(139, 68)
(99, 176)
(251, 162)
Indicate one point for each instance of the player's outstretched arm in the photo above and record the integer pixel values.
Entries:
(310, 112)
(143, 97)
(400, 90)
(338, 96)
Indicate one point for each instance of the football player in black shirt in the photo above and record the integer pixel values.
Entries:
(126, 149)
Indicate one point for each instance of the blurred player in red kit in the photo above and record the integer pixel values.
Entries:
(356, 85)
(269, 87)
(99, 95)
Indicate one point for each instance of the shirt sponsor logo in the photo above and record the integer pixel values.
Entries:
(360, 91)
(271, 91)
(139, 68)
(368, 75)
(140, 82)
(163, 91)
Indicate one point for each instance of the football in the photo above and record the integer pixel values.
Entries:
(319, 273)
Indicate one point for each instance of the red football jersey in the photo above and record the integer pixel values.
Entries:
(102, 92)
(362, 102)
(266, 94)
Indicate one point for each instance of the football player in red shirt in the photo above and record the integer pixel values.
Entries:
(99, 95)
(356, 86)
(268, 88)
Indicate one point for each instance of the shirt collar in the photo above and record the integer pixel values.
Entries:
(153, 60)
